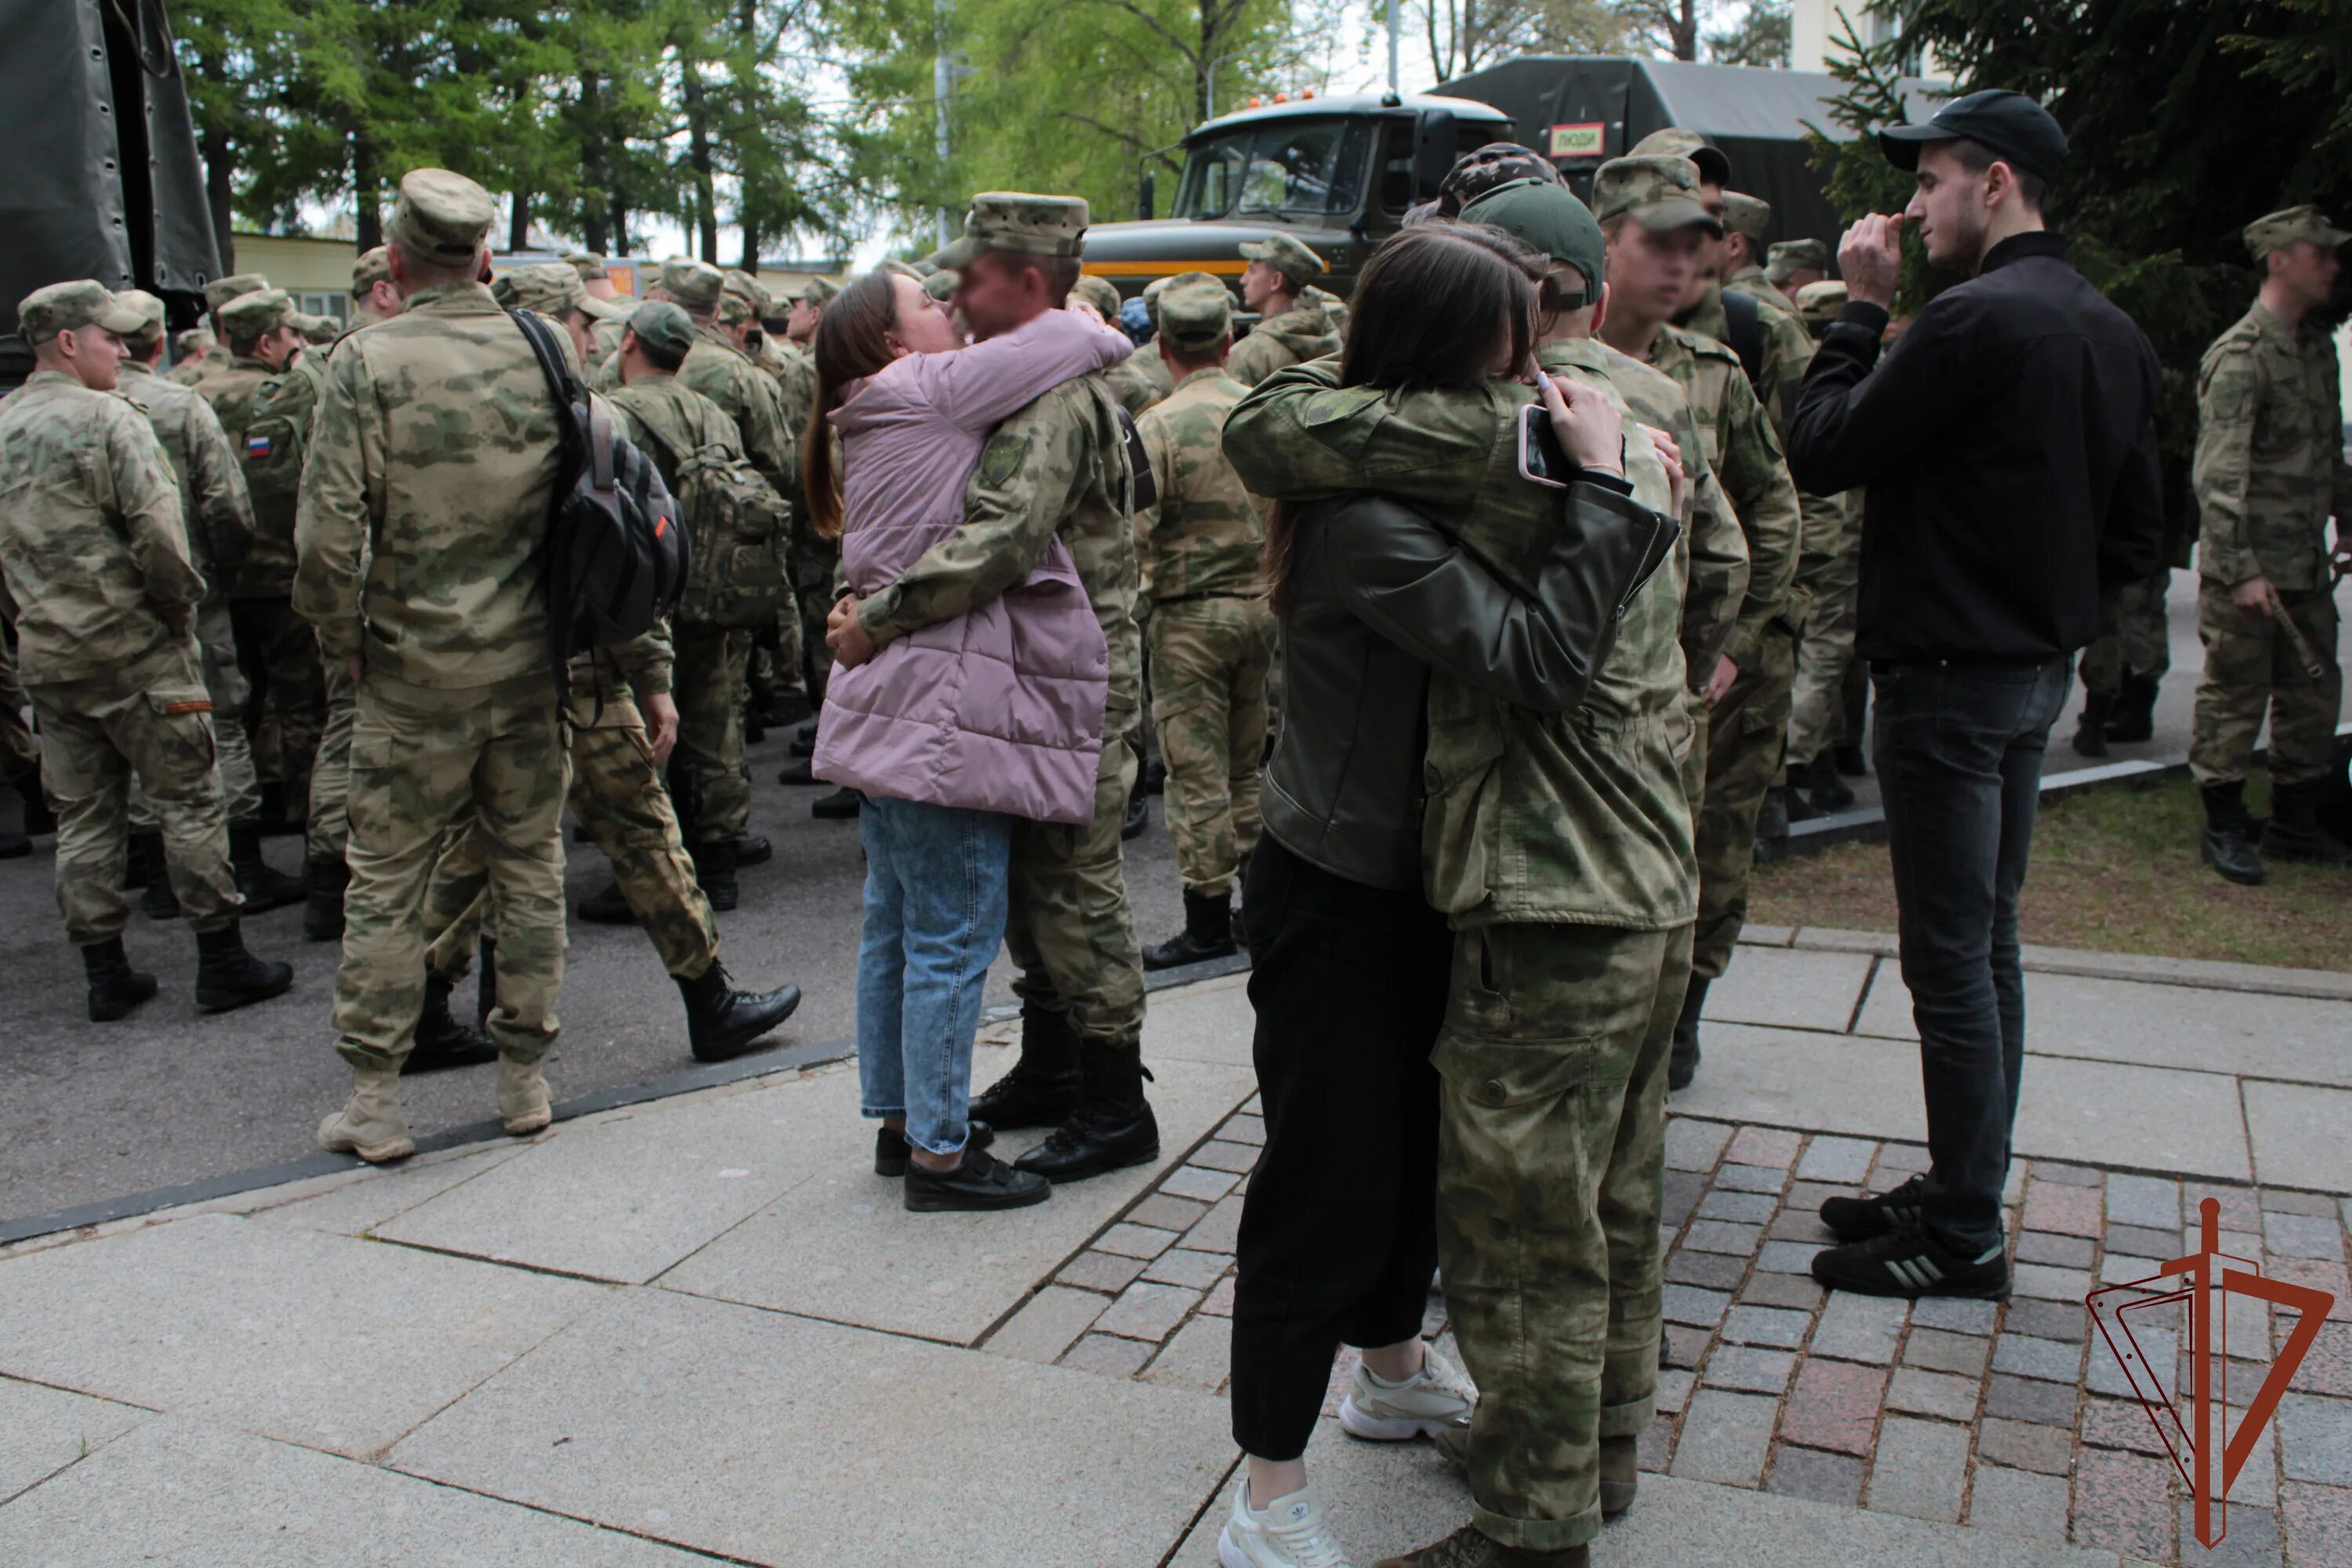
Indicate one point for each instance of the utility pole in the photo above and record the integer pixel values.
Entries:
(1392, 46)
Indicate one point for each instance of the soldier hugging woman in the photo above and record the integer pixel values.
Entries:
(1474, 878)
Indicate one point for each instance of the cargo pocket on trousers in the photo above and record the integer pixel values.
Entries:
(185, 715)
(1515, 1075)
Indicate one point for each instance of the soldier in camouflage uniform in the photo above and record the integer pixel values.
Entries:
(1288, 329)
(1059, 466)
(1745, 220)
(1829, 567)
(2270, 472)
(1792, 265)
(1211, 631)
(95, 575)
(814, 560)
(1649, 207)
(1141, 379)
(423, 509)
(197, 363)
(20, 759)
(373, 299)
(190, 355)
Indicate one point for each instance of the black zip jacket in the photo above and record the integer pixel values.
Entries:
(2008, 444)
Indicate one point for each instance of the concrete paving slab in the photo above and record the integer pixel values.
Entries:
(1786, 989)
(369, 1199)
(2298, 1135)
(290, 1333)
(182, 1491)
(2148, 1119)
(43, 1430)
(1210, 1022)
(842, 1249)
(751, 1434)
(1823, 1083)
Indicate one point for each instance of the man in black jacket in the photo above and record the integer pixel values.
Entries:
(2008, 444)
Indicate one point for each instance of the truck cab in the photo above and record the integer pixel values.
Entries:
(1335, 174)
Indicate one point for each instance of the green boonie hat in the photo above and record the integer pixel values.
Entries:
(1286, 256)
(662, 325)
(441, 217)
(695, 285)
(1019, 221)
(2281, 229)
(943, 284)
(1195, 310)
(370, 268)
(1549, 217)
(1100, 292)
(1820, 302)
(550, 287)
(819, 291)
(1661, 194)
(249, 315)
(1784, 259)
(1744, 213)
(150, 313)
(221, 290)
(587, 263)
(1713, 163)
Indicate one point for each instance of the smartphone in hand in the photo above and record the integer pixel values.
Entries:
(1541, 457)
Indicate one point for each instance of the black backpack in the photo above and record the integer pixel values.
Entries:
(616, 548)
(1743, 325)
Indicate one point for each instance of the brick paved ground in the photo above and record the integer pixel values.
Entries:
(2014, 1417)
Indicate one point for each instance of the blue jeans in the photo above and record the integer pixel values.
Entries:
(1959, 748)
(935, 907)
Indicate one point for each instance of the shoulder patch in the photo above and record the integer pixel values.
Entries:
(1002, 458)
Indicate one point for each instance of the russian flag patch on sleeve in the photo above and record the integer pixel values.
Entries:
(257, 446)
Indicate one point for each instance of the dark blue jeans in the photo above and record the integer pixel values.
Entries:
(1959, 748)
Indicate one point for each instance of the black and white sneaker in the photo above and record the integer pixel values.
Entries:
(1859, 1219)
(1909, 1262)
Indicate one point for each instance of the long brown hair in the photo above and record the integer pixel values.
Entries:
(1427, 312)
(851, 342)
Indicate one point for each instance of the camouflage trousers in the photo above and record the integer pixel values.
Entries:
(2253, 666)
(279, 651)
(2133, 638)
(1071, 931)
(224, 682)
(424, 762)
(152, 721)
(1551, 1155)
(814, 564)
(1209, 659)
(329, 826)
(1825, 652)
(19, 757)
(617, 795)
(1745, 734)
(707, 772)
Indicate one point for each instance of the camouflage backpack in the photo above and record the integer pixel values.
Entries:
(739, 525)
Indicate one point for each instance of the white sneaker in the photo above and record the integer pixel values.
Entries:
(1288, 1533)
(1439, 1399)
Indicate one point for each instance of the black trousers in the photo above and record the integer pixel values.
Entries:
(1338, 1229)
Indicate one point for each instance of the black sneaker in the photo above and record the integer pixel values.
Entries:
(980, 1183)
(1859, 1219)
(1909, 1262)
(890, 1147)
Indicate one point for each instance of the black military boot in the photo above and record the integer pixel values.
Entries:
(1041, 1090)
(2227, 841)
(228, 976)
(803, 743)
(1155, 777)
(159, 902)
(1208, 934)
(1796, 802)
(142, 851)
(1683, 1066)
(1850, 762)
(1830, 791)
(722, 1023)
(798, 774)
(2091, 730)
(1113, 1127)
(322, 899)
(2132, 717)
(115, 989)
(1138, 814)
(485, 983)
(755, 726)
(714, 868)
(1772, 825)
(607, 906)
(2293, 832)
(13, 846)
(754, 850)
(841, 805)
(441, 1040)
(264, 888)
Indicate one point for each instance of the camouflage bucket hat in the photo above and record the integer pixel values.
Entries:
(1744, 213)
(1819, 303)
(663, 326)
(1549, 217)
(249, 315)
(221, 290)
(2295, 224)
(1713, 163)
(696, 285)
(441, 217)
(1286, 256)
(1195, 310)
(1019, 221)
(369, 269)
(1784, 260)
(1658, 192)
(151, 312)
(1495, 165)
(550, 287)
(1100, 292)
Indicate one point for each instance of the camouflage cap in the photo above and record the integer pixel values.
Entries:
(587, 263)
(696, 285)
(550, 287)
(941, 283)
(1819, 303)
(1661, 194)
(221, 290)
(1286, 256)
(1195, 310)
(745, 287)
(662, 325)
(818, 291)
(1744, 213)
(441, 217)
(1784, 260)
(1673, 142)
(1549, 217)
(62, 307)
(1100, 292)
(1496, 164)
(249, 315)
(732, 309)
(315, 329)
(616, 309)
(903, 269)
(150, 311)
(2280, 230)
(1019, 221)
(194, 343)
(369, 269)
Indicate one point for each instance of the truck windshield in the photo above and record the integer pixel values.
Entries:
(1290, 167)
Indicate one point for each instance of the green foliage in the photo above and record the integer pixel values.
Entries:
(1761, 37)
(1859, 178)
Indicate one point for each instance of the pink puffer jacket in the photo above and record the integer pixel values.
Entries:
(1002, 708)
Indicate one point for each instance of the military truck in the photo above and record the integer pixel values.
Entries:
(104, 178)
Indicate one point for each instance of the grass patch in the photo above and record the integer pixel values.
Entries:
(2115, 870)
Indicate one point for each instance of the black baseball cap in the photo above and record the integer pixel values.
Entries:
(2017, 129)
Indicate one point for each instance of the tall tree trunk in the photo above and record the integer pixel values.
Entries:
(750, 262)
(1686, 32)
(698, 147)
(593, 161)
(220, 179)
(519, 224)
(364, 193)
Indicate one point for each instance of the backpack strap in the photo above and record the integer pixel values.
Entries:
(566, 390)
(1743, 326)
